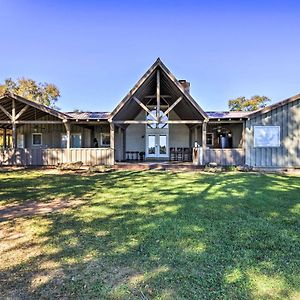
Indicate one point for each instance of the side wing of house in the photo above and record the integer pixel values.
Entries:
(273, 135)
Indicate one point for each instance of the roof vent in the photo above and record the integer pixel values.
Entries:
(185, 84)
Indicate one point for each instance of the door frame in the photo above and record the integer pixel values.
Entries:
(157, 132)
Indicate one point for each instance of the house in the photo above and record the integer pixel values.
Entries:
(157, 120)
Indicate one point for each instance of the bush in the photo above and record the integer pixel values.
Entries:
(70, 166)
(99, 169)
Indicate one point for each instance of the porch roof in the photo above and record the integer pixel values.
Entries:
(227, 114)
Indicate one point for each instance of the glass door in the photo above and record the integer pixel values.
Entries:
(157, 145)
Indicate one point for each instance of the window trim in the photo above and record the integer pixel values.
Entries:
(261, 126)
(37, 133)
(212, 139)
(101, 139)
(76, 133)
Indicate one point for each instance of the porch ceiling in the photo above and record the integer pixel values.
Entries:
(34, 111)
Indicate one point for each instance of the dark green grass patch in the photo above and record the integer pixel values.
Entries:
(154, 235)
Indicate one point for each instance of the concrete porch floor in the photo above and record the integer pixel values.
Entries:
(158, 165)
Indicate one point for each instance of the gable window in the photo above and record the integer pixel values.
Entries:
(105, 139)
(157, 125)
(36, 139)
(209, 139)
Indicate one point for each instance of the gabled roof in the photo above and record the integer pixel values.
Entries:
(36, 105)
(158, 64)
(275, 105)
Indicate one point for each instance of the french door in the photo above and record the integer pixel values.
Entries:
(157, 145)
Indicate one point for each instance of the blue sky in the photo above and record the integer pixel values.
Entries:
(95, 51)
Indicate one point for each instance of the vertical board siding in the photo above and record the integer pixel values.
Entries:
(52, 157)
(288, 154)
(225, 157)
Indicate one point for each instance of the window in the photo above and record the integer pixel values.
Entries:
(36, 139)
(209, 139)
(163, 119)
(105, 139)
(20, 141)
(64, 141)
(266, 136)
(76, 140)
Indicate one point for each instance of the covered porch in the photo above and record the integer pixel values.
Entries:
(158, 120)
(35, 135)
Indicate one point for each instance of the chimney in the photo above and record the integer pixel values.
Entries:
(185, 84)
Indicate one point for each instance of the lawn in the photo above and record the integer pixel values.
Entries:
(152, 235)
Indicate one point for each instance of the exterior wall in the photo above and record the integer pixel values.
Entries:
(135, 135)
(52, 133)
(288, 154)
(179, 134)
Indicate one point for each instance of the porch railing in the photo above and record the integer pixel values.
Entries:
(225, 157)
(54, 156)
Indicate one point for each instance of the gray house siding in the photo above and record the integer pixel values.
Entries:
(288, 154)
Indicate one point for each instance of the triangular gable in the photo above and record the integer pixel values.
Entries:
(157, 64)
(32, 104)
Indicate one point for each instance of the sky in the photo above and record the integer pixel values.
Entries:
(95, 51)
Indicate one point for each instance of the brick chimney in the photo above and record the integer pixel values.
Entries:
(185, 84)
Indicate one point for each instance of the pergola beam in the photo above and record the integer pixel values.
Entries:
(144, 107)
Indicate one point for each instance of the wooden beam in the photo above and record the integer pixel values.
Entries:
(204, 128)
(14, 126)
(38, 122)
(134, 122)
(6, 112)
(68, 131)
(20, 113)
(154, 96)
(172, 106)
(144, 107)
(158, 95)
(112, 142)
(183, 122)
(155, 122)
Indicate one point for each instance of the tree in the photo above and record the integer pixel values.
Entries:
(244, 104)
(43, 93)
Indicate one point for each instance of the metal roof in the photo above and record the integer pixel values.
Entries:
(227, 114)
(105, 115)
(89, 115)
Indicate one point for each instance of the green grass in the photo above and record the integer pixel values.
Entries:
(153, 235)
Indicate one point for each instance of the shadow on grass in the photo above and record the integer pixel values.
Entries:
(159, 235)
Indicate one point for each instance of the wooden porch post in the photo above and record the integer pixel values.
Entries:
(124, 144)
(204, 128)
(14, 127)
(196, 134)
(68, 131)
(112, 142)
(4, 138)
